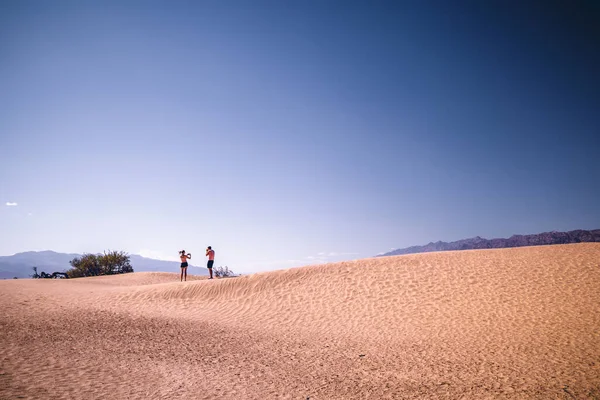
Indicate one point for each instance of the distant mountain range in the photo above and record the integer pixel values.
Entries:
(20, 265)
(577, 236)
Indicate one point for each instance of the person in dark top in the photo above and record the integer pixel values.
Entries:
(184, 257)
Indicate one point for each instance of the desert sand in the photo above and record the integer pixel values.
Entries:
(518, 323)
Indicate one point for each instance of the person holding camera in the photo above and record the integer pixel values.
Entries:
(210, 253)
(184, 257)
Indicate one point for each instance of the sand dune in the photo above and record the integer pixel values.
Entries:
(510, 323)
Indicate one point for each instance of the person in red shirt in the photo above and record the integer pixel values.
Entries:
(211, 260)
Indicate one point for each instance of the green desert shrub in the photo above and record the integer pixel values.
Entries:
(109, 263)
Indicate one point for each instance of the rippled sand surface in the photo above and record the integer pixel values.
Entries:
(487, 324)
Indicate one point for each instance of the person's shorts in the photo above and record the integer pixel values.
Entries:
(184, 265)
(210, 263)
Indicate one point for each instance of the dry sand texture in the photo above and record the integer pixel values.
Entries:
(487, 324)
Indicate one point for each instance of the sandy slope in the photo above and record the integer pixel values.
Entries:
(508, 323)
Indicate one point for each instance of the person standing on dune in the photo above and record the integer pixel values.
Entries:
(184, 257)
(211, 260)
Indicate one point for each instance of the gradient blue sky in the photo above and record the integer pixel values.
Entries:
(286, 133)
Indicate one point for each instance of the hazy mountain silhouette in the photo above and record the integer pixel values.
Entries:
(577, 236)
(20, 265)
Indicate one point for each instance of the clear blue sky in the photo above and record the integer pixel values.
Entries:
(286, 133)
